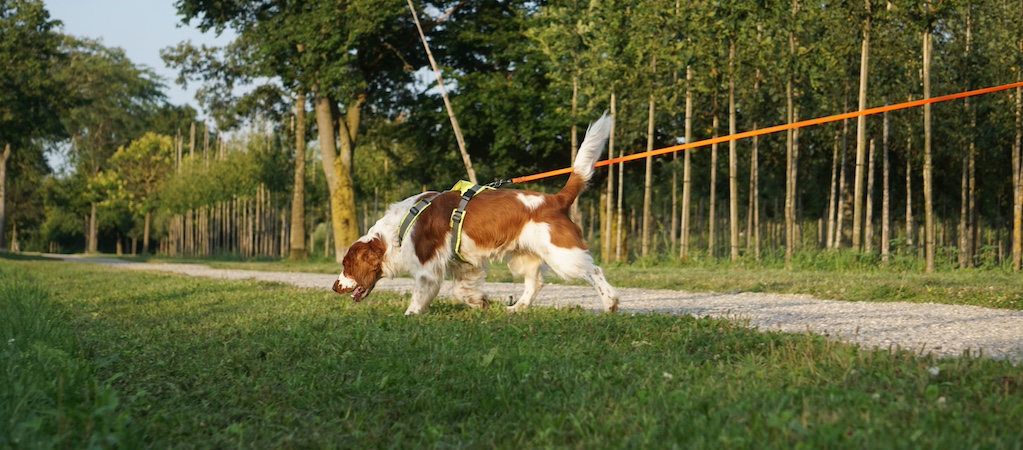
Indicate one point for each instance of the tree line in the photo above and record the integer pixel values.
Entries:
(355, 120)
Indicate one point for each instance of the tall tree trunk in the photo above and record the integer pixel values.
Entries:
(145, 233)
(754, 228)
(93, 244)
(1017, 168)
(972, 219)
(733, 164)
(674, 158)
(868, 220)
(789, 194)
(796, 216)
(648, 180)
(3, 196)
(928, 163)
(337, 169)
(576, 214)
(1017, 180)
(620, 254)
(840, 215)
(297, 238)
(686, 171)
(833, 197)
(608, 227)
(348, 131)
(673, 239)
(967, 210)
(861, 136)
(712, 213)
(754, 201)
(963, 211)
(885, 191)
(191, 142)
(790, 168)
(910, 226)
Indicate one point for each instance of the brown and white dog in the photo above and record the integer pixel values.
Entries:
(530, 229)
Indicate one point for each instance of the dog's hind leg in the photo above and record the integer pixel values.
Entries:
(574, 263)
(423, 293)
(528, 266)
(607, 293)
(467, 280)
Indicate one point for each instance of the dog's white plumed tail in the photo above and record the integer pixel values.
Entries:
(589, 153)
(592, 147)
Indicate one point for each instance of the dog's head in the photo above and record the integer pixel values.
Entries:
(362, 267)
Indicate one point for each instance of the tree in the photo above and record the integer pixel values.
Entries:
(30, 97)
(351, 57)
(138, 171)
(861, 129)
(1017, 158)
(733, 21)
(928, 170)
(650, 46)
(117, 99)
(792, 148)
(558, 32)
(297, 238)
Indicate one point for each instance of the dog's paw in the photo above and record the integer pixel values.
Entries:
(482, 303)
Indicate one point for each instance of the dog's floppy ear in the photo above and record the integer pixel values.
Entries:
(369, 262)
(375, 249)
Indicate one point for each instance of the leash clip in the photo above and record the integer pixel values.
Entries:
(498, 183)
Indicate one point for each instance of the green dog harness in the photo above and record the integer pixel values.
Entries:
(468, 191)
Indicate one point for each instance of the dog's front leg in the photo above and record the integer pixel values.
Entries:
(423, 293)
(467, 280)
(527, 266)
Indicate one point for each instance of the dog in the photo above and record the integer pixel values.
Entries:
(529, 229)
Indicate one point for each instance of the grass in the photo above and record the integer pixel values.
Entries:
(214, 364)
(50, 397)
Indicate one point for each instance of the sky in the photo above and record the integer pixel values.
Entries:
(141, 28)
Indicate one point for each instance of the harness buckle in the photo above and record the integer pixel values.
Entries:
(456, 217)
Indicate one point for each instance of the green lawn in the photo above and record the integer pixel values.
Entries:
(167, 361)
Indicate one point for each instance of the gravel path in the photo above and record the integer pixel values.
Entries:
(944, 330)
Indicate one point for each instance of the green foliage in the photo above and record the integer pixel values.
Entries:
(31, 98)
(116, 97)
(513, 118)
(139, 170)
(171, 120)
(248, 364)
(63, 221)
(204, 182)
(27, 170)
(50, 396)
(370, 44)
(512, 67)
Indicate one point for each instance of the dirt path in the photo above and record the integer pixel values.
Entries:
(945, 330)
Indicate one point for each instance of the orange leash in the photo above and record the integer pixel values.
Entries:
(775, 129)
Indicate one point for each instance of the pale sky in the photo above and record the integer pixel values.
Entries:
(142, 28)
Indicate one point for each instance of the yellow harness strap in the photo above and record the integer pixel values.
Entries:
(468, 190)
(412, 214)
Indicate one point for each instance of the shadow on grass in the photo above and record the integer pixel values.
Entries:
(24, 257)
